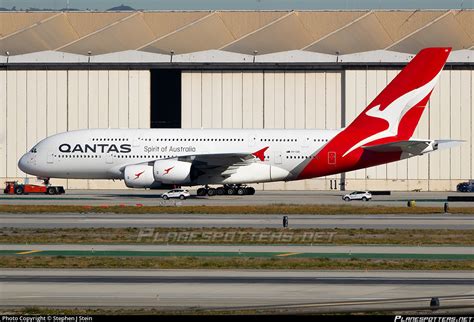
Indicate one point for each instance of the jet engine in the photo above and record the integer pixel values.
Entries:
(139, 176)
(172, 171)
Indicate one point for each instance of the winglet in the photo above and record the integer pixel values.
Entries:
(260, 153)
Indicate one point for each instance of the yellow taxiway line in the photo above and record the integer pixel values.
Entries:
(29, 252)
(287, 254)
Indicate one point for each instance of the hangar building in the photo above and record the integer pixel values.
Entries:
(61, 71)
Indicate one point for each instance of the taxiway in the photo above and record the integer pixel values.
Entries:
(110, 220)
(153, 198)
(235, 289)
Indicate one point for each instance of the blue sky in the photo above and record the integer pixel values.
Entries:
(241, 4)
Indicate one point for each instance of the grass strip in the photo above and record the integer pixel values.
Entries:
(188, 262)
(257, 209)
(237, 236)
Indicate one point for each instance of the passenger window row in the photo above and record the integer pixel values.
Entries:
(144, 156)
(300, 156)
(201, 139)
(109, 139)
(278, 140)
(77, 156)
(290, 140)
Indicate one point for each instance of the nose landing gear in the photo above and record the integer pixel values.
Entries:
(237, 189)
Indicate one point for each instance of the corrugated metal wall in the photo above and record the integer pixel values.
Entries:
(313, 100)
(36, 104)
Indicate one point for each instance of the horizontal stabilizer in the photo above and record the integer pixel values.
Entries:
(448, 144)
(413, 147)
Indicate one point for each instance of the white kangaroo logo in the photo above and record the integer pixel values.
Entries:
(395, 111)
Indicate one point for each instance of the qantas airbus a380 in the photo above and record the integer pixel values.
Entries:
(150, 158)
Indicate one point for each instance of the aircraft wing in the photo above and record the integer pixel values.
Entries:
(220, 159)
(216, 160)
(222, 163)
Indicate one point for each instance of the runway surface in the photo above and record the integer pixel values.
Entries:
(199, 289)
(153, 198)
(87, 220)
(293, 251)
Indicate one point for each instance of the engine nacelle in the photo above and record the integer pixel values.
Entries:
(139, 176)
(172, 171)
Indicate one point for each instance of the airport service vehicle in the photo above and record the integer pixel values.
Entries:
(14, 187)
(358, 195)
(176, 193)
(150, 158)
(466, 186)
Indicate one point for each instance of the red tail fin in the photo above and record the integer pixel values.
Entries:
(395, 112)
(392, 116)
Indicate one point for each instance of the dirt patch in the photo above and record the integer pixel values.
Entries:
(228, 263)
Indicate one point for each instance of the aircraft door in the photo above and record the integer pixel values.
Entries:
(50, 156)
(277, 157)
(252, 139)
(305, 142)
(136, 142)
(136, 139)
(109, 158)
(332, 158)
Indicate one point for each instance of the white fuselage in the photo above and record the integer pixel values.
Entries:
(104, 153)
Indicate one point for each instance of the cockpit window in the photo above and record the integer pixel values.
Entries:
(33, 150)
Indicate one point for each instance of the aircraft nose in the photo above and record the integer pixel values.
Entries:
(22, 163)
(26, 163)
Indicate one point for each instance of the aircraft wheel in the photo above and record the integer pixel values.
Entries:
(241, 191)
(220, 191)
(230, 191)
(211, 192)
(250, 191)
(201, 192)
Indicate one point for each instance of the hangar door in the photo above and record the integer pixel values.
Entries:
(165, 98)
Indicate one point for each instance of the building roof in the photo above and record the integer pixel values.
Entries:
(246, 33)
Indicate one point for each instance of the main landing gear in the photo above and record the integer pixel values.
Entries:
(226, 190)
